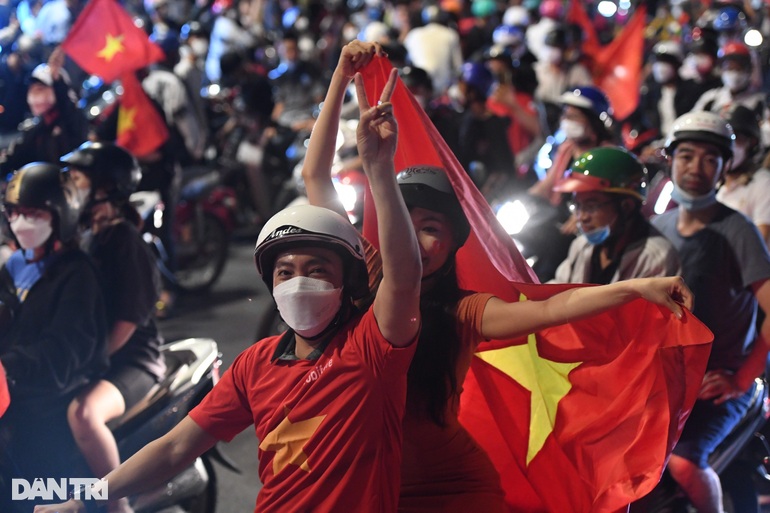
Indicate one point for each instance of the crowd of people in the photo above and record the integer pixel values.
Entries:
(391, 327)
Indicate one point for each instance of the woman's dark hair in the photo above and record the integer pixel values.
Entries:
(432, 376)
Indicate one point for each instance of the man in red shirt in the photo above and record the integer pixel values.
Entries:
(327, 397)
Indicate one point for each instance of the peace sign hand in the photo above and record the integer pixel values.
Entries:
(377, 132)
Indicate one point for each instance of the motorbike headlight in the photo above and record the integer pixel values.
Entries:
(347, 194)
(513, 216)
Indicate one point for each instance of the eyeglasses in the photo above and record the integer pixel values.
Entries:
(12, 213)
(589, 207)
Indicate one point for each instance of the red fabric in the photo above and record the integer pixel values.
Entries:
(577, 15)
(618, 66)
(5, 396)
(518, 137)
(141, 128)
(635, 370)
(329, 429)
(104, 41)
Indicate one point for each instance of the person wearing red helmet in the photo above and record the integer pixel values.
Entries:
(737, 88)
(616, 242)
(443, 469)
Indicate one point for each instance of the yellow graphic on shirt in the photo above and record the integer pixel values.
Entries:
(288, 439)
(112, 46)
(126, 119)
(546, 380)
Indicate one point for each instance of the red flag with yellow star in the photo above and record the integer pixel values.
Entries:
(578, 418)
(618, 66)
(104, 41)
(141, 127)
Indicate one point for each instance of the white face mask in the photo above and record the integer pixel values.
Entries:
(572, 129)
(662, 72)
(199, 47)
(765, 128)
(41, 100)
(735, 80)
(552, 54)
(31, 233)
(81, 195)
(307, 305)
(739, 156)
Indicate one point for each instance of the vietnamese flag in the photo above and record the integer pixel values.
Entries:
(5, 396)
(104, 41)
(578, 418)
(141, 127)
(577, 15)
(618, 66)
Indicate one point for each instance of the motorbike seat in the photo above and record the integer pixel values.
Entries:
(756, 416)
(200, 186)
(154, 399)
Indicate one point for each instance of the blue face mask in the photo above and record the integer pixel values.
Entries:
(692, 203)
(597, 235)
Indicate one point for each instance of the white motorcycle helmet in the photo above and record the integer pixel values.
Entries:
(706, 127)
(309, 225)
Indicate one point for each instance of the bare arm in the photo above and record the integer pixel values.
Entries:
(121, 332)
(764, 230)
(153, 465)
(507, 320)
(720, 385)
(316, 169)
(397, 303)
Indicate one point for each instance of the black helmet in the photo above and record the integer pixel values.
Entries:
(557, 37)
(43, 186)
(428, 187)
(414, 77)
(108, 166)
(744, 121)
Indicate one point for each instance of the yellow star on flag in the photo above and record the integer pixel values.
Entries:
(288, 439)
(546, 380)
(126, 119)
(112, 46)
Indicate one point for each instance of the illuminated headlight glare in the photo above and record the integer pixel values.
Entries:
(513, 215)
(753, 38)
(347, 195)
(157, 218)
(664, 198)
(607, 8)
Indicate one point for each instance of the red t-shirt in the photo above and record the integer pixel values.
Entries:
(330, 429)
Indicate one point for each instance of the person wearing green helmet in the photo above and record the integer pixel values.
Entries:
(616, 242)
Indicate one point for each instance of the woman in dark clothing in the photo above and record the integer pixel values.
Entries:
(106, 175)
(54, 344)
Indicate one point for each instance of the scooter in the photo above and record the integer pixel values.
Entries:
(192, 371)
(204, 219)
(740, 461)
(534, 224)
